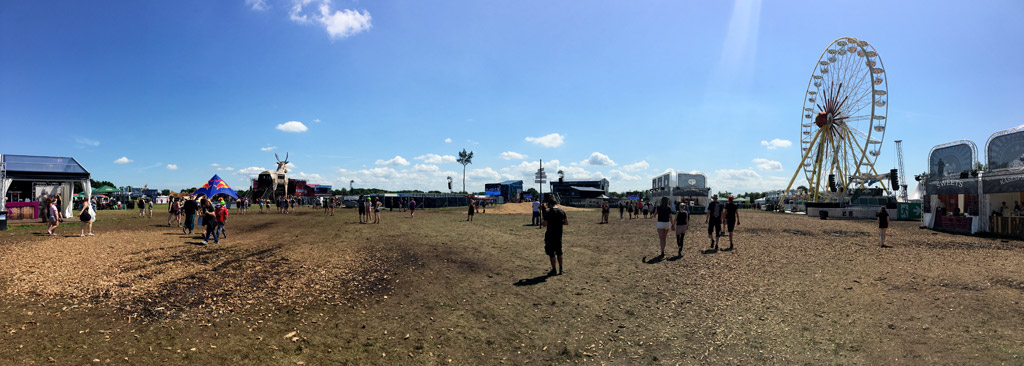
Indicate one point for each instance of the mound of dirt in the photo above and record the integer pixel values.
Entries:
(526, 208)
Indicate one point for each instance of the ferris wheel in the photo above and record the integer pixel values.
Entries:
(843, 121)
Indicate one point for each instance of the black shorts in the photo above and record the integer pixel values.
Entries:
(553, 247)
(715, 226)
(730, 224)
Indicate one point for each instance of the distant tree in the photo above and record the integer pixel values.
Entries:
(100, 183)
(464, 159)
(165, 192)
(532, 191)
(241, 193)
(189, 190)
(802, 188)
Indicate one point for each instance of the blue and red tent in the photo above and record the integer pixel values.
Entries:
(216, 186)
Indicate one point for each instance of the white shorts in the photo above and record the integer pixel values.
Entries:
(664, 225)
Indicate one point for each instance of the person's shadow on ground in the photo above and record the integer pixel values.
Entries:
(675, 258)
(654, 260)
(533, 281)
(709, 251)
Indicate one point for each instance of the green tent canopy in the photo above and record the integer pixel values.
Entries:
(105, 190)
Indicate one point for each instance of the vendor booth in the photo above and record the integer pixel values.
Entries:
(26, 182)
(952, 190)
(1003, 183)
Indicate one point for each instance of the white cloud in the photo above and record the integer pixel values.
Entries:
(426, 168)
(435, 159)
(296, 12)
(512, 155)
(229, 168)
(250, 171)
(338, 23)
(172, 167)
(345, 22)
(549, 140)
(484, 173)
(215, 165)
(620, 175)
(223, 169)
(448, 140)
(395, 161)
(770, 165)
(317, 120)
(744, 180)
(123, 160)
(637, 166)
(87, 141)
(598, 159)
(292, 126)
(268, 148)
(257, 4)
(310, 178)
(776, 143)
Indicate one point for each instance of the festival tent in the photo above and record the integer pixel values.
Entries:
(43, 176)
(105, 190)
(214, 187)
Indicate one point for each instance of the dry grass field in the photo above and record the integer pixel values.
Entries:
(436, 290)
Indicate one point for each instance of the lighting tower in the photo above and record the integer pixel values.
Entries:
(903, 177)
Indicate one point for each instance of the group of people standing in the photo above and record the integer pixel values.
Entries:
(54, 216)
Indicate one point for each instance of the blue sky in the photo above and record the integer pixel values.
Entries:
(387, 92)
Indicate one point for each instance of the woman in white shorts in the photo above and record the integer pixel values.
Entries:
(665, 223)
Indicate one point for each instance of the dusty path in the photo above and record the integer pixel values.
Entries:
(436, 288)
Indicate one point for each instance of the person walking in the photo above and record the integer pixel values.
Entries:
(170, 212)
(142, 207)
(629, 208)
(714, 221)
(51, 216)
(472, 210)
(554, 219)
(732, 218)
(210, 221)
(682, 222)
(605, 211)
(412, 208)
(334, 203)
(189, 208)
(222, 219)
(536, 219)
(362, 210)
(149, 207)
(376, 210)
(86, 216)
(883, 224)
(665, 223)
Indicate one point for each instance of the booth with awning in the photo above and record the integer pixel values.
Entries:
(952, 190)
(27, 181)
(1002, 184)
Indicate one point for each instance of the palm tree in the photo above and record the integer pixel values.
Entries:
(464, 159)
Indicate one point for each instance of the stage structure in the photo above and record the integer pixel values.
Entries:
(843, 122)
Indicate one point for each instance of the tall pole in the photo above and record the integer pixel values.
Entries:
(541, 181)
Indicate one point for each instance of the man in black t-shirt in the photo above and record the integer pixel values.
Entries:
(190, 207)
(732, 218)
(714, 221)
(554, 219)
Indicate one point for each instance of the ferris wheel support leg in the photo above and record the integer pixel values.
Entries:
(801, 166)
(821, 156)
(864, 151)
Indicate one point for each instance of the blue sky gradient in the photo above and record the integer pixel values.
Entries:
(390, 91)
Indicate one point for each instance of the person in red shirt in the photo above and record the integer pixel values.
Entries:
(222, 218)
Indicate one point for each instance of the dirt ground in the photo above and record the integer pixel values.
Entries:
(436, 290)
